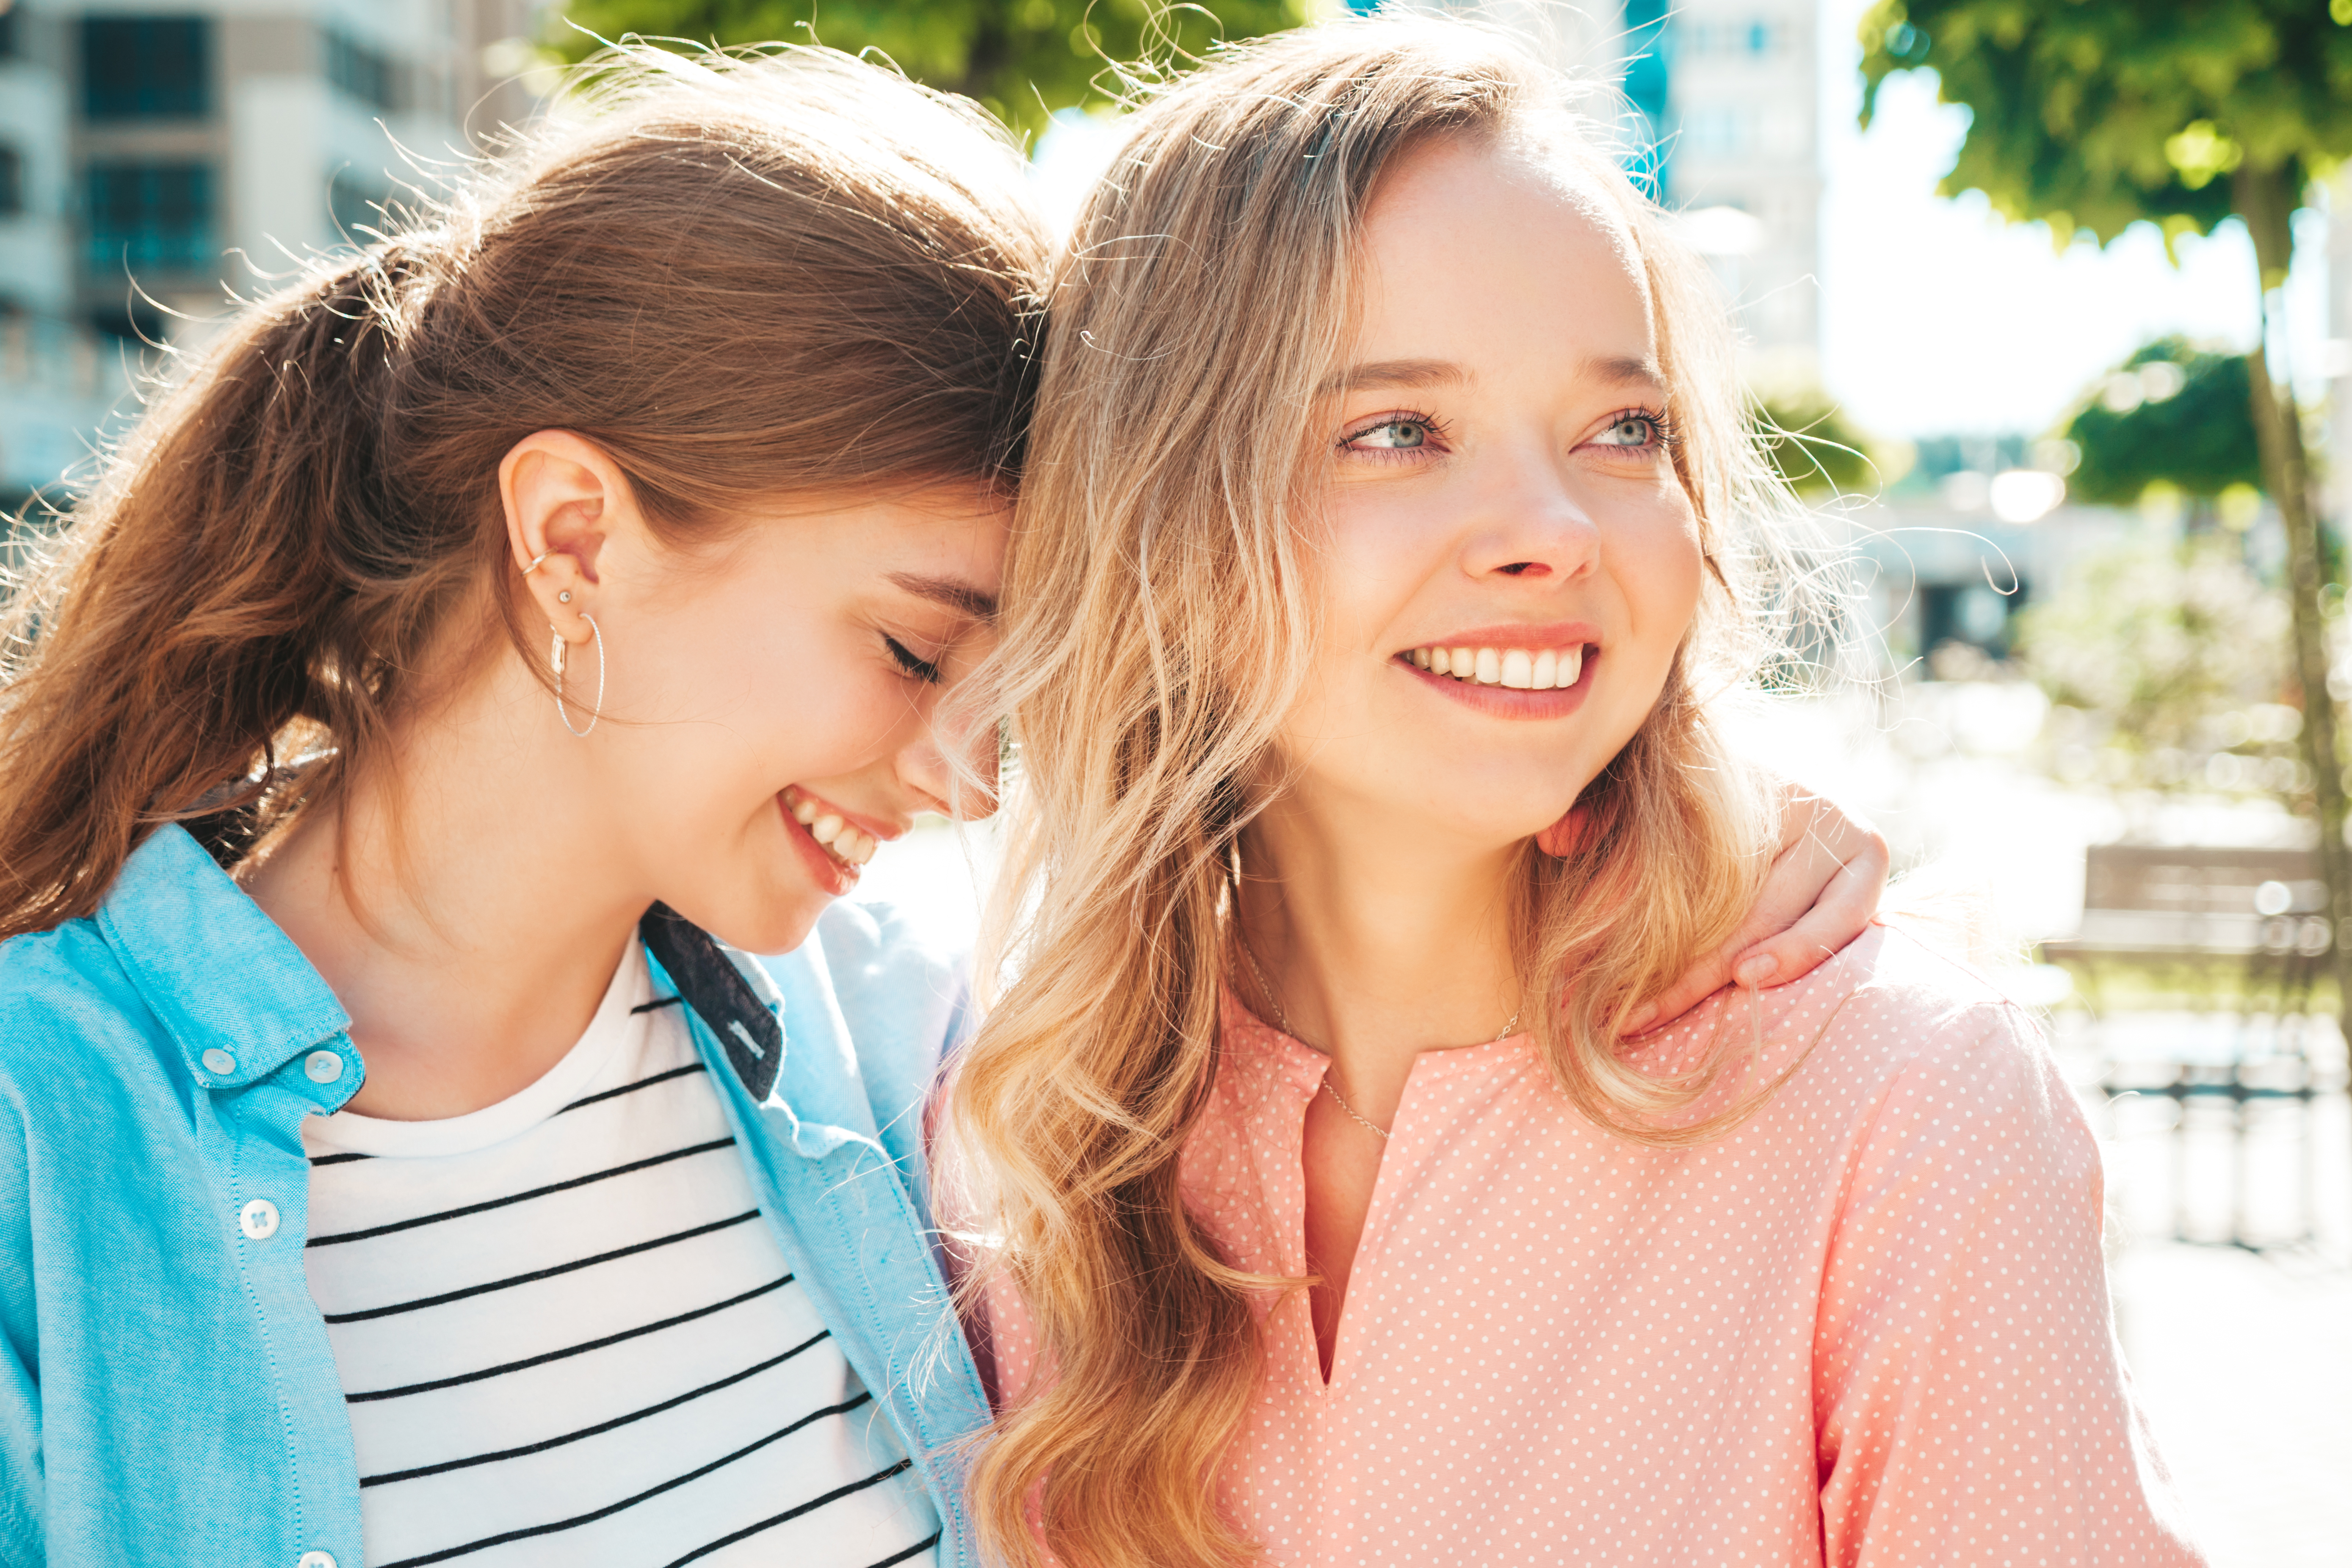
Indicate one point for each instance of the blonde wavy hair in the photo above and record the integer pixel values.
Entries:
(1163, 601)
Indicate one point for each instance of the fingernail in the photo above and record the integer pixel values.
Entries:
(1753, 971)
(1639, 1020)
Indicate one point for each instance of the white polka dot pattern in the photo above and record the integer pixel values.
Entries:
(1868, 1328)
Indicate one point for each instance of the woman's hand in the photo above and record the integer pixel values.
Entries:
(1821, 893)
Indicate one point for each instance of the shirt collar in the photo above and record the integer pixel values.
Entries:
(744, 1024)
(236, 995)
(240, 1001)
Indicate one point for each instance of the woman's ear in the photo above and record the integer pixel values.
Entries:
(565, 497)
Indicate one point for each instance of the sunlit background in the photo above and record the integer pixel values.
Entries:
(2078, 715)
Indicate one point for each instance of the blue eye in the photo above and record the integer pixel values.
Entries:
(1631, 430)
(1395, 434)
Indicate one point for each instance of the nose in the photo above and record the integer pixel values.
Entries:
(949, 764)
(1529, 519)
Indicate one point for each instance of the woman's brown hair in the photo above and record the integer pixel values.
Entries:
(745, 276)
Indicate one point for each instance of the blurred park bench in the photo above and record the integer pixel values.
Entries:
(2243, 937)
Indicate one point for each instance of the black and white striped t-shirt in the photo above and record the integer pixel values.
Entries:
(567, 1335)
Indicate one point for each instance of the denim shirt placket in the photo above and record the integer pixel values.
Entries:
(253, 1094)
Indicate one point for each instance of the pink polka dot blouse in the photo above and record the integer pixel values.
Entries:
(1870, 1327)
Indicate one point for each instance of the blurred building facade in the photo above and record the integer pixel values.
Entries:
(152, 159)
(1742, 160)
(1722, 106)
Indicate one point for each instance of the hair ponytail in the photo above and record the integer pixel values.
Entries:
(745, 277)
(195, 612)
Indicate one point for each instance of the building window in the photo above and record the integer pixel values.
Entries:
(152, 216)
(1756, 37)
(1715, 130)
(145, 68)
(12, 182)
(368, 75)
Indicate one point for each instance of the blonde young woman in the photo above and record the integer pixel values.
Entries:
(1389, 500)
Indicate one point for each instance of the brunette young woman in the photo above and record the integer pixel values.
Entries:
(1389, 496)
(410, 1178)
(427, 1186)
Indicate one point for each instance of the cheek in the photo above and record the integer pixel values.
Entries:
(747, 701)
(1661, 573)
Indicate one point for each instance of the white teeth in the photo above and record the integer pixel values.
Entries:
(850, 845)
(1516, 668)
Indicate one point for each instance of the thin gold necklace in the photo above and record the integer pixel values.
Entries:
(1282, 1020)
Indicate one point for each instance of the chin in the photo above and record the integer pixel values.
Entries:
(771, 920)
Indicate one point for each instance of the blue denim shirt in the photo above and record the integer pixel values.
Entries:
(167, 1394)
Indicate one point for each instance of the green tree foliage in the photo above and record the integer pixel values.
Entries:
(2101, 113)
(2095, 114)
(2172, 414)
(1023, 59)
(1809, 440)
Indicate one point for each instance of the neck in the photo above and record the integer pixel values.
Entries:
(1375, 958)
(458, 902)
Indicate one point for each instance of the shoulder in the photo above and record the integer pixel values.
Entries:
(69, 1011)
(1892, 1016)
(1894, 1002)
(875, 948)
(902, 999)
(1926, 1061)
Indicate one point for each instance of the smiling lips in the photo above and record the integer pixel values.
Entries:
(833, 835)
(1519, 668)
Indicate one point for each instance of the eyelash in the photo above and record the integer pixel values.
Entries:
(920, 670)
(1664, 439)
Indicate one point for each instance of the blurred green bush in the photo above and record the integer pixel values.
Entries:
(1023, 59)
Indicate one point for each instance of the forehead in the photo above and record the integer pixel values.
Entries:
(1503, 225)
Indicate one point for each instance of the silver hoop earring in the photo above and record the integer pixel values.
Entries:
(537, 562)
(556, 658)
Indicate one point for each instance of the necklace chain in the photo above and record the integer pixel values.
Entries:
(1282, 1020)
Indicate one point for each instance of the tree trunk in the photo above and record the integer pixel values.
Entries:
(2265, 199)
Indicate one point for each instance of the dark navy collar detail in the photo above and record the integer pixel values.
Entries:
(719, 995)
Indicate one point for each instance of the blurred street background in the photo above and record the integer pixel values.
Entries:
(2048, 311)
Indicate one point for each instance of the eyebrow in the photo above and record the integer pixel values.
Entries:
(953, 593)
(1624, 370)
(1614, 370)
(1394, 372)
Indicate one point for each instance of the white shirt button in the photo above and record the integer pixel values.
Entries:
(219, 1063)
(259, 1219)
(315, 1560)
(323, 1066)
